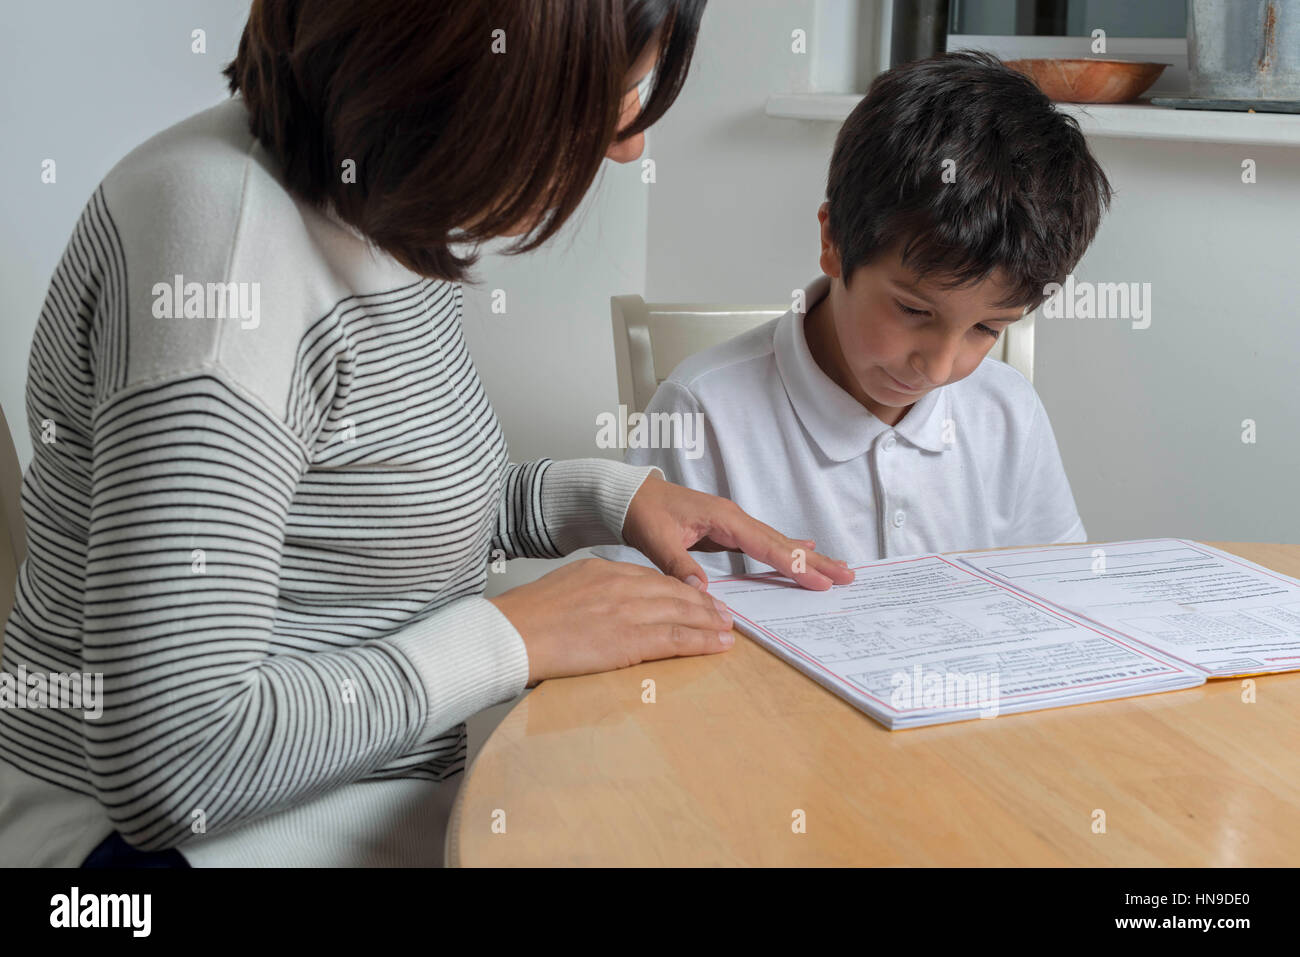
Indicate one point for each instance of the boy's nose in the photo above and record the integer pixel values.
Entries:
(933, 364)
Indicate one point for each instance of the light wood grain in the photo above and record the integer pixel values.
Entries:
(586, 774)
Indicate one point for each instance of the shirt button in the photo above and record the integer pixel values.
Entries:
(899, 518)
(889, 442)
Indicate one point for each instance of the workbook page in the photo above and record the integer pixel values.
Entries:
(922, 640)
(1204, 607)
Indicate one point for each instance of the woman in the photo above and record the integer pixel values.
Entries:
(274, 480)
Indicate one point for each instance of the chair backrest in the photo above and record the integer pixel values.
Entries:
(651, 338)
(13, 536)
(1016, 348)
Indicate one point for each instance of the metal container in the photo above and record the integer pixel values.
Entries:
(1244, 49)
(920, 29)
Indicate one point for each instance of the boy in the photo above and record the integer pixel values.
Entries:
(867, 418)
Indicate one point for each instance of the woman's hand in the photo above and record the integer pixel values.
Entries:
(594, 615)
(664, 520)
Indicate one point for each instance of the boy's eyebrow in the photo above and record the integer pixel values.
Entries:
(912, 288)
(915, 290)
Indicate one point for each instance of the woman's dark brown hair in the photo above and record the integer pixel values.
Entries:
(463, 118)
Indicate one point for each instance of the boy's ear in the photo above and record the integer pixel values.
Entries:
(830, 256)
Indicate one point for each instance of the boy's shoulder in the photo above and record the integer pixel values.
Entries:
(745, 358)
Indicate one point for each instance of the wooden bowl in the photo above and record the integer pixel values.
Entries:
(1089, 80)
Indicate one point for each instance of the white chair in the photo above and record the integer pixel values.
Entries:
(651, 338)
(13, 539)
(1016, 348)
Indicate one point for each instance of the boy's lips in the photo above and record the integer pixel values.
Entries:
(903, 388)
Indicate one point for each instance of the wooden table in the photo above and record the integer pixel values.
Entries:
(585, 773)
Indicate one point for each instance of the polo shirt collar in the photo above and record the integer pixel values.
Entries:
(841, 427)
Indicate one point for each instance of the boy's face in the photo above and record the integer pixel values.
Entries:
(891, 336)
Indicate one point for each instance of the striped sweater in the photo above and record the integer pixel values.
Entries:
(266, 492)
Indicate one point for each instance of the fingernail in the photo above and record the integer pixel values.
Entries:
(693, 581)
(726, 637)
(724, 611)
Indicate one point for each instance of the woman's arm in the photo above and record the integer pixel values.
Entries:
(551, 508)
(206, 716)
(548, 509)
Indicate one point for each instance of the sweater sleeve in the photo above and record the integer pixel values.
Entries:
(204, 718)
(548, 509)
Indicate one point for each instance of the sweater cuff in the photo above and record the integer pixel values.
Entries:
(584, 501)
(469, 657)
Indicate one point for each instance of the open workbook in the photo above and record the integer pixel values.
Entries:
(927, 639)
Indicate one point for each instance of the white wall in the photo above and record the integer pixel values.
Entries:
(1149, 421)
(733, 216)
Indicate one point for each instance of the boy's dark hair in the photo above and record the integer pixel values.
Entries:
(454, 142)
(1027, 195)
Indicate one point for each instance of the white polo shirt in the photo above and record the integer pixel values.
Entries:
(973, 464)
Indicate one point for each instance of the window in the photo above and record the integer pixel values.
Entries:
(1072, 18)
(1153, 30)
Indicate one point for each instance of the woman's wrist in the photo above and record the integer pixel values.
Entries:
(584, 502)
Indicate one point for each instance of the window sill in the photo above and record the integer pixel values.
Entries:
(1115, 120)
